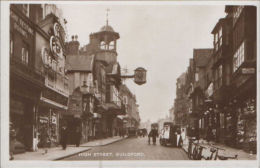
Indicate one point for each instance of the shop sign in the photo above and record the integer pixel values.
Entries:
(247, 71)
(44, 119)
(21, 26)
(53, 120)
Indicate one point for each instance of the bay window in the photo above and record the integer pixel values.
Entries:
(239, 57)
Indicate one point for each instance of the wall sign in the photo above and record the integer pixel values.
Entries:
(248, 70)
(22, 27)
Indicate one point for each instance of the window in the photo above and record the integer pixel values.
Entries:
(220, 36)
(11, 46)
(25, 9)
(111, 45)
(102, 45)
(25, 55)
(54, 65)
(239, 57)
(218, 77)
(218, 39)
(196, 77)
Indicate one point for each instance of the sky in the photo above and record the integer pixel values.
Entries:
(159, 38)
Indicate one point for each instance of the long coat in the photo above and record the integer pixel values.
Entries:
(64, 136)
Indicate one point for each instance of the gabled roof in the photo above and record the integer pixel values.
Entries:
(201, 56)
(79, 62)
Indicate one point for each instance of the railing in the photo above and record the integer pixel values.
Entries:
(31, 73)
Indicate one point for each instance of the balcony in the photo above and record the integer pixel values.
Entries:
(26, 72)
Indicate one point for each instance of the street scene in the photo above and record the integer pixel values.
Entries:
(133, 82)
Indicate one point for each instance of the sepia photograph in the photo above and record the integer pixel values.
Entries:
(94, 83)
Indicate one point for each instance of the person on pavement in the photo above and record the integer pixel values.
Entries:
(78, 136)
(64, 136)
(154, 135)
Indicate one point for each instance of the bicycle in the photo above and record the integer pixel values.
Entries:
(191, 140)
(197, 152)
(214, 149)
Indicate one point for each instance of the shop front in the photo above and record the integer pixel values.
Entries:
(245, 96)
(50, 118)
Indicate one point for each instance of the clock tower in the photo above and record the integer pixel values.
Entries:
(104, 44)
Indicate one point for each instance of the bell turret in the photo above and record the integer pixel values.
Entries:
(105, 41)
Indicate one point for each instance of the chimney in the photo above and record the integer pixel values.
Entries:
(73, 45)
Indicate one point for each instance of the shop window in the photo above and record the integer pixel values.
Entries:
(239, 57)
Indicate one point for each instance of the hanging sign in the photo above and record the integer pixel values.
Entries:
(140, 76)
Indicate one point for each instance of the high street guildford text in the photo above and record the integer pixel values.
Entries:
(72, 97)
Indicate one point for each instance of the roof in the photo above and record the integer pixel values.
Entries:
(79, 62)
(201, 56)
(107, 28)
(215, 29)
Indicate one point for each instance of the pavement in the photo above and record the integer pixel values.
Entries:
(134, 148)
(230, 152)
(57, 153)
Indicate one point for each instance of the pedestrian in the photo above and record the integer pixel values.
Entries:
(46, 141)
(64, 137)
(150, 135)
(78, 136)
(154, 135)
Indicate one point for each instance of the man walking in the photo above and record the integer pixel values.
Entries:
(64, 137)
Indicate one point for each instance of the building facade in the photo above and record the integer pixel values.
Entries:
(38, 84)
(221, 82)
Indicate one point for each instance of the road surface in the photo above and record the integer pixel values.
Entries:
(131, 149)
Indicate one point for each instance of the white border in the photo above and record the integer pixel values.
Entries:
(5, 96)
